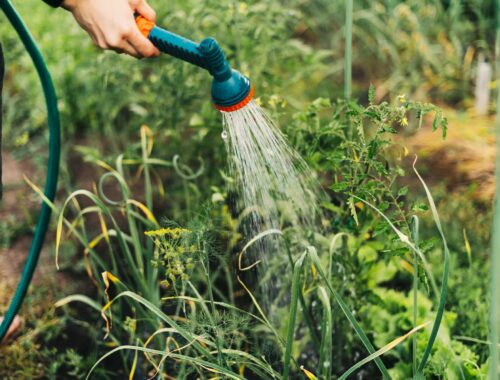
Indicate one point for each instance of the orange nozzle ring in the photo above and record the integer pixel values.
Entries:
(239, 105)
(144, 25)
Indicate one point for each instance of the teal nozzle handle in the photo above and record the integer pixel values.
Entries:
(231, 90)
(177, 46)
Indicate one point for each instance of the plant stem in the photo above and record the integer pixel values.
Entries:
(415, 226)
(206, 267)
(495, 243)
(348, 50)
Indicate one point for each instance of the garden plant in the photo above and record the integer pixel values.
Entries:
(387, 280)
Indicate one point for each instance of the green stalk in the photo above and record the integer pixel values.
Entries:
(415, 292)
(297, 270)
(206, 268)
(151, 272)
(495, 243)
(305, 311)
(325, 357)
(444, 282)
(348, 313)
(348, 50)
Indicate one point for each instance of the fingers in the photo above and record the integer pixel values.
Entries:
(141, 44)
(144, 9)
(127, 39)
(126, 48)
(111, 25)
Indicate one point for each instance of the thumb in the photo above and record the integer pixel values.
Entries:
(145, 10)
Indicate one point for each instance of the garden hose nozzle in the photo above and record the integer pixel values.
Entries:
(231, 90)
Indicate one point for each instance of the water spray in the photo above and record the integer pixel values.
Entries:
(231, 90)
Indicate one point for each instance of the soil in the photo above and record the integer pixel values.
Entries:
(464, 161)
(19, 204)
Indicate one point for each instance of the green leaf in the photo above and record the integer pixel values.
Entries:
(340, 186)
(403, 191)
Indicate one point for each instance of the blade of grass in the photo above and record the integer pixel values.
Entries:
(185, 333)
(134, 365)
(218, 303)
(444, 281)
(348, 50)
(325, 358)
(297, 270)
(406, 240)
(79, 298)
(382, 351)
(261, 312)
(305, 310)
(193, 360)
(347, 312)
(415, 236)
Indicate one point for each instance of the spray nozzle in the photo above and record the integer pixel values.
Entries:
(231, 90)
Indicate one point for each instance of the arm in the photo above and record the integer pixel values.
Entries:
(111, 24)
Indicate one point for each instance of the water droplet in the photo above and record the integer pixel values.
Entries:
(224, 135)
(326, 364)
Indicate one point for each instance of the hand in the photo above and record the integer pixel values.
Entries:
(111, 24)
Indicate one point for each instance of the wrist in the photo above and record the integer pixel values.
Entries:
(69, 5)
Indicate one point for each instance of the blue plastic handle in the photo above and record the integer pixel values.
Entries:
(229, 87)
(177, 46)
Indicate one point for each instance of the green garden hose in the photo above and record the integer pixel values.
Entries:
(53, 163)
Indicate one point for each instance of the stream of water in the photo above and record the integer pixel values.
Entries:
(271, 176)
(275, 185)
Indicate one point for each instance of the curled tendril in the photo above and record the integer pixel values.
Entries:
(122, 185)
(185, 171)
(250, 243)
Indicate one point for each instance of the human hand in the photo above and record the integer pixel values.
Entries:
(111, 24)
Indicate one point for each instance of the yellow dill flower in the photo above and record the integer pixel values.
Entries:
(172, 232)
(404, 121)
(273, 100)
(402, 98)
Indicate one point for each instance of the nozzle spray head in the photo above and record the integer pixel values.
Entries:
(231, 90)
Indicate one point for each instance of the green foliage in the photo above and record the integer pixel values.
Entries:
(359, 255)
(395, 317)
(172, 302)
(49, 345)
(426, 49)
